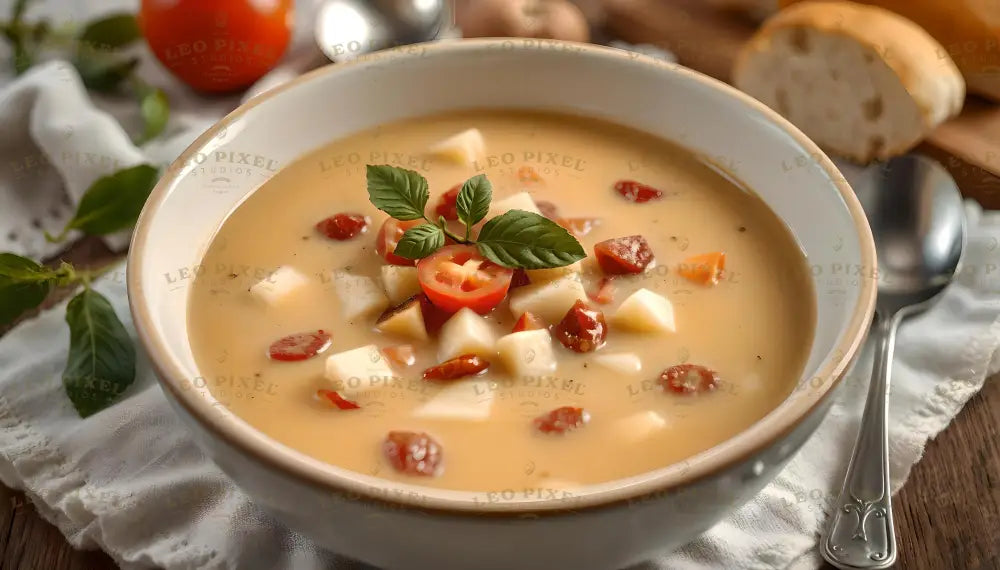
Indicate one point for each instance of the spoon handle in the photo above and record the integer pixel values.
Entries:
(860, 532)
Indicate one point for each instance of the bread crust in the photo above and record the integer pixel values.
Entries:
(969, 31)
(923, 67)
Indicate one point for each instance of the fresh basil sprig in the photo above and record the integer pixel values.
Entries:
(112, 203)
(101, 360)
(516, 239)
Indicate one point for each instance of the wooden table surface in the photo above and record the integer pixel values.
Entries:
(947, 515)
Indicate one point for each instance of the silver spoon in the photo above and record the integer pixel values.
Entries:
(347, 29)
(918, 220)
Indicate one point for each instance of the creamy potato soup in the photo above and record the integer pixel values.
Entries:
(666, 310)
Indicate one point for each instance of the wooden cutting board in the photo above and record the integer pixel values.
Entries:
(707, 39)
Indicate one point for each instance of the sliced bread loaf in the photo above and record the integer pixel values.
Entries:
(968, 29)
(862, 82)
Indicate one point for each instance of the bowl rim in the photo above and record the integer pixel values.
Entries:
(324, 476)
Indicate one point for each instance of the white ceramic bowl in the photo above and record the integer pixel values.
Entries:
(399, 526)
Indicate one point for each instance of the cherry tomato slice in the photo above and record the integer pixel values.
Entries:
(412, 453)
(637, 192)
(299, 346)
(458, 367)
(457, 276)
(336, 399)
(561, 420)
(447, 205)
(689, 379)
(343, 226)
(389, 234)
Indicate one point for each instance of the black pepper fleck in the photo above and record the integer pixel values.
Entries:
(12, 236)
(36, 223)
(742, 228)
(759, 358)
(673, 238)
(305, 238)
(233, 276)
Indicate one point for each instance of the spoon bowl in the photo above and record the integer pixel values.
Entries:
(918, 223)
(916, 214)
(347, 29)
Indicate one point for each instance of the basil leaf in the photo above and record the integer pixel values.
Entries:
(111, 32)
(101, 361)
(398, 192)
(419, 242)
(102, 72)
(473, 202)
(113, 203)
(155, 111)
(526, 240)
(24, 284)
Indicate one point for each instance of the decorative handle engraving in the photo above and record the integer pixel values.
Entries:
(860, 533)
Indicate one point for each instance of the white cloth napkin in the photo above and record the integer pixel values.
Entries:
(129, 480)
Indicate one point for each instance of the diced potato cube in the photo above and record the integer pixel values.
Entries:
(400, 282)
(280, 286)
(359, 296)
(408, 322)
(466, 332)
(466, 400)
(545, 275)
(645, 311)
(527, 353)
(620, 362)
(519, 201)
(550, 300)
(463, 148)
(359, 369)
(638, 426)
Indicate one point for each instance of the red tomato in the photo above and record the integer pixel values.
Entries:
(217, 45)
(457, 276)
(447, 206)
(343, 226)
(389, 234)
